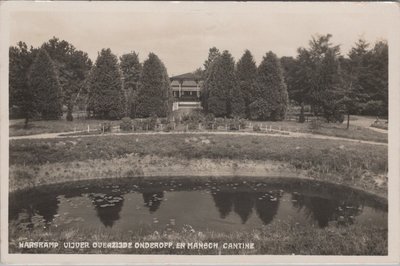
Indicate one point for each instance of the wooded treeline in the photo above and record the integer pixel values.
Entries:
(44, 82)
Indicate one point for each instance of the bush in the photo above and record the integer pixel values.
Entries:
(315, 124)
(168, 127)
(113, 115)
(256, 128)
(152, 122)
(234, 124)
(126, 124)
(106, 126)
(243, 123)
(219, 122)
(195, 116)
(260, 110)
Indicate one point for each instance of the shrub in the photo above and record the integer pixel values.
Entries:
(195, 115)
(243, 123)
(126, 124)
(151, 122)
(168, 127)
(193, 126)
(234, 124)
(220, 122)
(106, 126)
(260, 110)
(256, 128)
(164, 121)
(315, 124)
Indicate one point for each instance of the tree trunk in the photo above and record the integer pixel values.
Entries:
(70, 107)
(348, 120)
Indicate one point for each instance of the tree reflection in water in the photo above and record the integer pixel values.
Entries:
(152, 200)
(266, 208)
(44, 205)
(224, 203)
(242, 203)
(326, 210)
(107, 207)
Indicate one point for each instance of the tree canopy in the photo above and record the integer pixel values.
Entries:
(45, 87)
(154, 94)
(106, 97)
(271, 92)
(72, 67)
(224, 95)
(246, 73)
(131, 69)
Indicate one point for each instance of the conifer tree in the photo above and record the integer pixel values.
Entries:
(45, 87)
(154, 94)
(272, 97)
(213, 55)
(131, 69)
(224, 95)
(106, 97)
(246, 73)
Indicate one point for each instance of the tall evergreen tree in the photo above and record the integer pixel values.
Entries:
(72, 67)
(131, 69)
(324, 73)
(154, 95)
(355, 76)
(213, 54)
(379, 80)
(224, 95)
(246, 73)
(272, 97)
(45, 86)
(106, 97)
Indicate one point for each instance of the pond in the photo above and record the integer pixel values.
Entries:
(174, 203)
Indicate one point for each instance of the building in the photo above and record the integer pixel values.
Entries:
(186, 90)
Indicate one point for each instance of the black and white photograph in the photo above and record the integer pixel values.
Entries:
(230, 129)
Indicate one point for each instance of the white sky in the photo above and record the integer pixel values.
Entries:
(181, 33)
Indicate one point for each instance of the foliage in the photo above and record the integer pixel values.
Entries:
(246, 73)
(106, 97)
(213, 54)
(256, 127)
(20, 95)
(106, 126)
(72, 67)
(126, 124)
(154, 94)
(195, 116)
(224, 95)
(271, 93)
(315, 124)
(131, 69)
(45, 87)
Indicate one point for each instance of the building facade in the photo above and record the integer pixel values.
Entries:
(186, 90)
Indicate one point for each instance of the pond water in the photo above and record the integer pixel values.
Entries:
(195, 205)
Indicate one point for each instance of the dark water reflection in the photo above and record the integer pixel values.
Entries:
(220, 206)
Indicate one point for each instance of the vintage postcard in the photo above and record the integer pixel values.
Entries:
(199, 132)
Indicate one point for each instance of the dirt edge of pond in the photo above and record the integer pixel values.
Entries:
(142, 167)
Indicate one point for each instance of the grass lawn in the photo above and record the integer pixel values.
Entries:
(331, 129)
(276, 238)
(55, 126)
(360, 165)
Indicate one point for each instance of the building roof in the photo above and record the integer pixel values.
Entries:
(186, 76)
